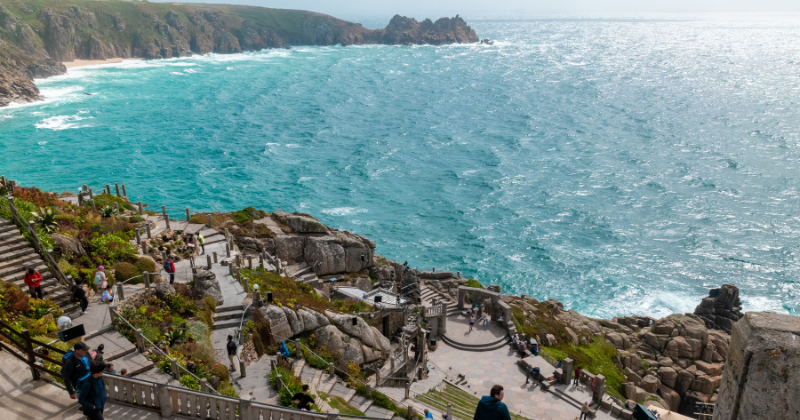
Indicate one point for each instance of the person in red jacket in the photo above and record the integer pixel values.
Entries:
(34, 281)
(169, 267)
(577, 376)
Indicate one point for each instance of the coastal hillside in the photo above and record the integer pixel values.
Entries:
(36, 36)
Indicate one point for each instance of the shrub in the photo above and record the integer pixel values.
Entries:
(197, 351)
(210, 303)
(225, 388)
(200, 331)
(113, 247)
(190, 381)
(184, 290)
(181, 305)
(124, 271)
(221, 371)
(145, 264)
(473, 283)
(206, 316)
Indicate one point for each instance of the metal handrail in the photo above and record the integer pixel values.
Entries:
(159, 350)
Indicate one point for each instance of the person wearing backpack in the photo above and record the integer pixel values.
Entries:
(93, 393)
(34, 281)
(75, 368)
(100, 280)
(80, 296)
(169, 267)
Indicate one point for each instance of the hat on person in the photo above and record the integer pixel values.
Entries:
(101, 268)
(80, 345)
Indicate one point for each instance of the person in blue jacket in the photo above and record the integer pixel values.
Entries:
(491, 407)
(93, 393)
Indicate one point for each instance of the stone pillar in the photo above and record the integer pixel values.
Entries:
(227, 249)
(188, 215)
(566, 368)
(462, 294)
(245, 409)
(249, 262)
(138, 237)
(141, 209)
(209, 221)
(120, 292)
(146, 277)
(91, 194)
(257, 302)
(144, 248)
(116, 207)
(369, 391)
(599, 388)
(242, 370)
(208, 261)
(204, 385)
(215, 257)
(164, 400)
(760, 378)
(443, 323)
(449, 410)
(149, 235)
(176, 372)
(139, 341)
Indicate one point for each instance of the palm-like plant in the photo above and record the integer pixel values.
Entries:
(108, 211)
(46, 218)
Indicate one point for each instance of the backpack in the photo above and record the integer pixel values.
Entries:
(98, 279)
(82, 379)
(167, 268)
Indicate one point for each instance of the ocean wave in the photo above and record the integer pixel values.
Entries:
(344, 211)
(63, 122)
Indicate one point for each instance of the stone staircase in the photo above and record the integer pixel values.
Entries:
(429, 293)
(119, 351)
(303, 273)
(16, 255)
(227, 316)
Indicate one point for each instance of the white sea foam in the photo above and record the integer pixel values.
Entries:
(344, 211)
(64, 122)
(305, 179)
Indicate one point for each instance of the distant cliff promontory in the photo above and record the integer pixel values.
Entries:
(36, 37)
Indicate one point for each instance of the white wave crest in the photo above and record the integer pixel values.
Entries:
(344, 211)
(63, 122)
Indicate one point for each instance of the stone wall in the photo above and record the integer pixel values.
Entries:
(762, 379)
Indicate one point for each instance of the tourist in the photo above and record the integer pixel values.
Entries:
(110, 369)
(108, 295)
(80, 296)
(93, 393)
(528, 375)
(500, 320)
(98, 354)
(123, 372)
(302, 400)
(169, 267)
(584, 411)
(514, 341)
(75, 368)
(445, 416)
(202, 241)
(34, 281)
(491, 407)
(428, 414)
(100, 280)
(231, 352)
(577, 376)
(471, 322)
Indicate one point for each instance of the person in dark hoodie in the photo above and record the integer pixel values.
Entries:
(491, 407)
(76, 368)
(93, 393)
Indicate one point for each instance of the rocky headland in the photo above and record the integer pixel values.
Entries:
(36, 38)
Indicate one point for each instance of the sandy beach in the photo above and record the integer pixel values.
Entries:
(82, 63)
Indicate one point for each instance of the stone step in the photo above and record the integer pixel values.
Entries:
(13, 246)
(228, 315)
(229, 308)
(17, 254)
(232, 323)
(12, 240)
(21, 261)
(134, 362)
(8, 227)
(116, 346)
(16, 275)
(9, 232)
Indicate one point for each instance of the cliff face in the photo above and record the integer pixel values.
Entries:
(36, 36)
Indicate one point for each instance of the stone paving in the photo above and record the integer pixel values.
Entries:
(458, 331)
(485, 369)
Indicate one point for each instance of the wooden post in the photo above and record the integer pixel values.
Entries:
(91, 194)
(124, 193)
(146, 276)
(209, 222)
(261, 259)
(149, 236)
(369, 391)
(408, 392)
(116, 207)
(144, 248)
(139, 340)
(80, 198)
(191, 261)
(257, 299)
(245, 285)
(187, 214)
(227, 249)
(112, 315)
(208, 261)
(32, 230)
(164, 400)
(138, 237)
(242, 370)
(250, 262)
(116, 185)
(141, 209)
(330, 369)
(215, 257)
(29, 350)
(108, 189)
(176, 373)
(230, 269)
(120, 293)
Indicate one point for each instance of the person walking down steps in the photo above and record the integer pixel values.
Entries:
(231, 352)
(491, 406)
(169, 267)
(34, 281)
(80, 295)
(75, 368)
(202, 241)
(93, 393)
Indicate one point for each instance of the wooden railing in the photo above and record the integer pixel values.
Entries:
(24, 348)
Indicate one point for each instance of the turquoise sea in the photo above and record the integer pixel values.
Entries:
(619, 164)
